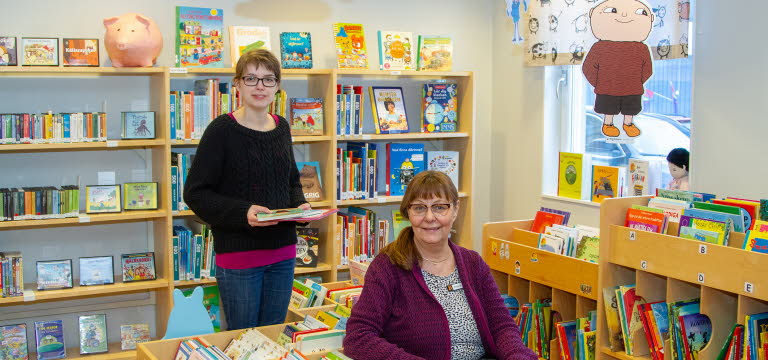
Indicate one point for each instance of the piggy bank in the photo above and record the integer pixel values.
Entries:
(132, 40)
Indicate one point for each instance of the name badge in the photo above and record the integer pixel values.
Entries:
(455, 287)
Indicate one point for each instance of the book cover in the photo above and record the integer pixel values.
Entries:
(588, 249)
(279, 214)
(645, 220)
(8, 51)
(446, 162)
(40, 51)
(406, 160)
(296, 50)
(396, 50)
(93, 334)
(306, 116)
(140, 196)
(102, 199)
(53, 275)
(616, 340)
(697, 331)
(138, 266)
(638, 181)
(435, 53)
(544, 219)
(49, 339)
(243, 39)
(133, 334)
(212, 303)
(551, 244)
(399, 222)
(307, 246)
(388, 108)
(737, 214)
(311, 181)
(199, 37)
(691, 233)
(439, 108)
(350, 46)
(98, 270)
(80, 52)
(570, 175)
(751, 207)
(13, 342)
(605, 182)
(138, 124)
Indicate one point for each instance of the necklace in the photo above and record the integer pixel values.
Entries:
(435, 262)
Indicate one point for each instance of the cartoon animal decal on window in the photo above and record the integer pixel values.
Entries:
(533, 25)
(513, 11)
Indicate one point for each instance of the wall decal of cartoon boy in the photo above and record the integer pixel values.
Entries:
(619, 63)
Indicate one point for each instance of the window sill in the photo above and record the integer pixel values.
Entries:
(569, 200)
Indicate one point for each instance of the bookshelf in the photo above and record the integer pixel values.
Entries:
(729, 281)
(528, 274)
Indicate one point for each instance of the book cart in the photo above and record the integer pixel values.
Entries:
(729, 281)
(528, 273)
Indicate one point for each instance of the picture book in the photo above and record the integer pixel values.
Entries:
(671, 208)
(399, 222)
(49, 339)
(53, 275)
(551, 243)
(80, 52)
(616, 340)
(306, 116)
(102, 199)
(638, 181)
(243, 39)
(307, 245)
(605, 182)
(350, 46)
(711, 227)
(296, 50)
(435, 53)
(199, 37)
(97, 270)
(697, 331)
(93, 334)
(13, 342)
(396, 50)
(566, 217)
(645, 220)
(140, 196)
(588, 249)
(544, 219)
(439, 108)
(737, 214)
(278, 214)
(138, 124)
(212, 303)
(404, 161)
(40, 51)
(675, 194)
(570, 174)
(138, 266)
(388, 109)
(133, 334)
(691, 233)
(311, 181)
(446, 162)
(750, 209)
(8, 51)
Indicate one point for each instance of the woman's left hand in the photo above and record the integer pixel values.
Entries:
(305, 206)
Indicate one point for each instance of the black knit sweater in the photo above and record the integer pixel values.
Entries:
(236, 167)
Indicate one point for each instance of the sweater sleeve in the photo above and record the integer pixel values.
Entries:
(296, 191)
(365, 326)
(202, 181)
(506, 334)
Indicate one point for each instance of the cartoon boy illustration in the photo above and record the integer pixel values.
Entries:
(619, 63)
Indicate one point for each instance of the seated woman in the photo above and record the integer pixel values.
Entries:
(427, 298)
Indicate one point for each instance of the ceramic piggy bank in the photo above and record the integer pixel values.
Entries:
(132, 40)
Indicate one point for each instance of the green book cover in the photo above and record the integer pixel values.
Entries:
(588, 249)
(140, 196)
(93, 334)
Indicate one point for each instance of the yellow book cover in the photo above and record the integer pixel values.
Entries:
(570, 175)
(343, 310)
(350, 46)
(714, 226)
(327, 319)
(605, 182)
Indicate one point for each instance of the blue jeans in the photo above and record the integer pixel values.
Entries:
(257, 296)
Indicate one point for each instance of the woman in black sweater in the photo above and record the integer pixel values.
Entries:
(243, 166)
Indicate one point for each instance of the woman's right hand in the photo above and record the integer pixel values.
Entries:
(253, 220)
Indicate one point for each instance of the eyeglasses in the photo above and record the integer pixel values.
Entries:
(253, 81)
(421, 209)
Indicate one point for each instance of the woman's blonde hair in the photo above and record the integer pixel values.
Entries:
(426, 185)
(258, 57)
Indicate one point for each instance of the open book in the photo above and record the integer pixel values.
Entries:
(295, 215)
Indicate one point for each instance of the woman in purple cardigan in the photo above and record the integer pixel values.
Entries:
(427, 298)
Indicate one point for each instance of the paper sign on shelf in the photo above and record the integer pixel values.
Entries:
(29, 295)
(83, 219)
(111, 143)
(178, 70)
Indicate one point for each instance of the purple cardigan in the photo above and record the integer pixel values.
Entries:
(397, 317)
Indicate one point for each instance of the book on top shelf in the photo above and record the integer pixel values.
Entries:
(646, 220)
(306, 116)
(243, 39)
(80, 52)
(606, 182)
(296, 50)
(350, 46)
(8, 51)
(570, 174)
(439, 108)
(388, 109)
(435, 53)
(396, 50)
(199, 37)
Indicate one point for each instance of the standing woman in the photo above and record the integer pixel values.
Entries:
(244, 165)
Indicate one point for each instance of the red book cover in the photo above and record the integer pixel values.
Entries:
(544, 219)
(645, 220)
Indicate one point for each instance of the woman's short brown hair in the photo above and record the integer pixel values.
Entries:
(258, 57)
(425, 185)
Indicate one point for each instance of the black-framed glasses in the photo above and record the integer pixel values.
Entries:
(253, 81)
(421, 209)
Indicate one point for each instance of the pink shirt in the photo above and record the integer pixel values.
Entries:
(255, 258)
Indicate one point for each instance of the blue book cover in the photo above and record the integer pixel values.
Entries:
(660, 316)
(199, 37)
(758, 245)
(513, 306)
(738, 220)
(716, 216)
(98, 270)
(405, 161)
(174, 188)
(296, 50)
(49, 339)
(173, 116)
(697, 330)
(440, 108)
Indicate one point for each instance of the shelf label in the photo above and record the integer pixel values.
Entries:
(366, 137)
(701, 278)
(643, 264)
(395, 72)
(586, 289)
(703, 249)
(632, 235)
(188, 141)
(29, 295)
(111, 143)
(178, 70)
(749, 288)
(175, 212)
(83, 218)
(381, 199)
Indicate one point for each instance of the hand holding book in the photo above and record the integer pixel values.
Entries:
(296, 214)
(253, 216)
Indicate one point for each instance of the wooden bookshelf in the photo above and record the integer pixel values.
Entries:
(115, 353)
(84, 146)
(406, 73)
(296, 140)
(31, 296)
(85, 219)
(729, 281)
(396, 137)
(61, 70)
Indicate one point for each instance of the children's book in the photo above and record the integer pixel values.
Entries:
(435, 53)
(199, 37)
(404, 161)
(588, 249)
(8, 51)
(243, 39)
(138, 266)
(737, 214)
(551, 243)
(703, 230)
(439, 108)
(350, 46)
(638, 181)
(615, 338)
(80, 52)
(605, 182)
(13, 342)
(544, 219)
(308, 240)
(296, 50)
(93, 334)
(396, 50)
(646, 220)
(311, 181)
(697, 331)
(751, 207)
(570, 174)
(97, 270)
(133, 334)
(399, 223)
(446, 162)
(388, 109)
(49, 339)
(306, 116)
